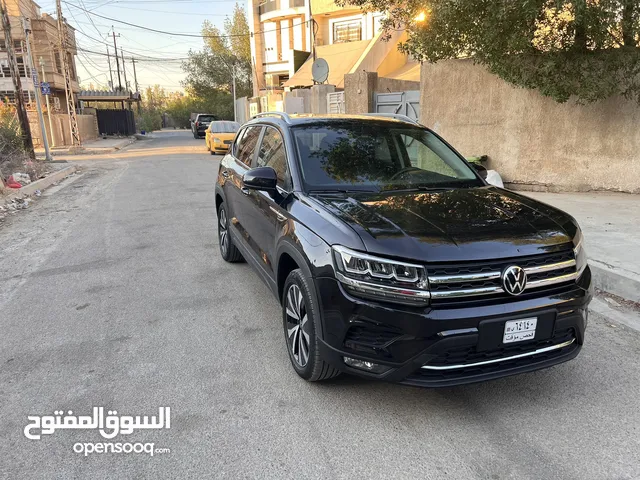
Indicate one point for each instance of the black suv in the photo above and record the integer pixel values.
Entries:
(200, 124)
(393, 258)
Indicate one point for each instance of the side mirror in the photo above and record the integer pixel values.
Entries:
(261, 178)
(480, 169)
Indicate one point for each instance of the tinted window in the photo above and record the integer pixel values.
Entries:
(224, 127)
(272, 154)
(206, 118)
(377, 156)
(247, 144)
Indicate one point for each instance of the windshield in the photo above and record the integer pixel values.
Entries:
(378, 156)
(224, 127)
(206, 118)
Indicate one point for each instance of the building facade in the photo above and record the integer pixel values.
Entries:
(47, 56)
(283, 35)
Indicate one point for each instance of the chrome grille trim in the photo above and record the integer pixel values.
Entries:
(551, 281)
(469, 277)
(468, 292)
(551, 266)
(503, 359)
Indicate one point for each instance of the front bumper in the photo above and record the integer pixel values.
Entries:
(455, 345)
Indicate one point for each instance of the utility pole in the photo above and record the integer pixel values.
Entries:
(115, 54)
(135, 80)
(17, 84)
(36, 85)
(233, 76)
(71, 101)
(44, 79)
(124, 70)
(110, 71)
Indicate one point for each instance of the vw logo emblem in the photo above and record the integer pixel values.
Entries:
(514, 280)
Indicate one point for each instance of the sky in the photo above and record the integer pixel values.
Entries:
(94, 33)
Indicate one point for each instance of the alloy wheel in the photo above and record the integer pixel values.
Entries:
(297, 325)
(223, 233)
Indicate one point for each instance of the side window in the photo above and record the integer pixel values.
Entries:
(272, 154)
(246, 144)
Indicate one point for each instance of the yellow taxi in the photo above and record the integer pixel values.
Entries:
(219, 135)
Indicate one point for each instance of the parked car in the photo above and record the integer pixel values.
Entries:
(219, 135)
(393, 258)
(201, 123)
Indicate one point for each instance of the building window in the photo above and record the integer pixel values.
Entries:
(58, 63)
(377, 27)
(349, 31)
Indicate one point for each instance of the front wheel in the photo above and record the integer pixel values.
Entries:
(300, 316)
(228, 250)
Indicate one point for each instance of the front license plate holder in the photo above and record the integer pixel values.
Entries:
(491, 332)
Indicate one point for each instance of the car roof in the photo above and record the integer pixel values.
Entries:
(290, 120)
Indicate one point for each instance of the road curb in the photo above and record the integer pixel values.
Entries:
(612, 280)
(41, 184)
(91, 150)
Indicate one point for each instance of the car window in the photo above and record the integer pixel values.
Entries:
(224, 127)
(272, 154)
(206, 118)
(378, 156)
(247, 144)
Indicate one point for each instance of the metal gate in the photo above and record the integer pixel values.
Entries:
(404, 103)
(116, 122)
(335, 102)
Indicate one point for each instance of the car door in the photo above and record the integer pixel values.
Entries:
(233, 168)
(267, 214)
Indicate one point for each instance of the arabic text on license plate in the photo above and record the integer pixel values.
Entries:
(519, 330)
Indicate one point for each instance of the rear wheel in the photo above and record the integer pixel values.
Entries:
(300, 316)
(228, 250)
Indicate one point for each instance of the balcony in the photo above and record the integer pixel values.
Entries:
(280, 8)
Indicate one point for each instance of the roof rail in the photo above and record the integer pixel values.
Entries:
(282, 115)
(397, 116)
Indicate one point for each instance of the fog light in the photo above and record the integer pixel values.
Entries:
(364, 365)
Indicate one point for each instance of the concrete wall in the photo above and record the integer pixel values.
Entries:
(360, 89)
(61, 136)
(533, 141)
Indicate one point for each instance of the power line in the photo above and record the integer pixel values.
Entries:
(181, 34)
(138, 59)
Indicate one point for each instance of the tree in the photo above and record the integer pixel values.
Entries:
(589, 49)
(209, 71)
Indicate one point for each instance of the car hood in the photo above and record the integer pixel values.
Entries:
(453, 225)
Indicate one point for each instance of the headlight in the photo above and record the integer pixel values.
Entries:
(381, 279)
(579, 252)
(217, 140)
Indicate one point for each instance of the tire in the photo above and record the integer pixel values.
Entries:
(212, 152)
(298, 307)
(228, 250)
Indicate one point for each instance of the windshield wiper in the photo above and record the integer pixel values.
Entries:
(419, 188)
(341, 190)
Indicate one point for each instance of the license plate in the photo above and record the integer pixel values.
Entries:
(519, 330)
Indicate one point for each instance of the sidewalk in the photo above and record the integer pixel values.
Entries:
(611, 226)
(97, 147)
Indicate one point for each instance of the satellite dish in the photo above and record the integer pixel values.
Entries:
(320, 70)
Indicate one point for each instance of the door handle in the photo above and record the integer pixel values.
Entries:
(246, 191)
(279, 216)
(225, 173)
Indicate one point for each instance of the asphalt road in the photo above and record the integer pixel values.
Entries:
(113, 294)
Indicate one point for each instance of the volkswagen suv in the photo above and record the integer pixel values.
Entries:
(391, 256)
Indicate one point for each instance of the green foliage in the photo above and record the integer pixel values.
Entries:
(209, 70)
(585, 49)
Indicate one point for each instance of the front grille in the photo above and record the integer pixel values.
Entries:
(433, 377)
(227, 142)
(474, 280)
